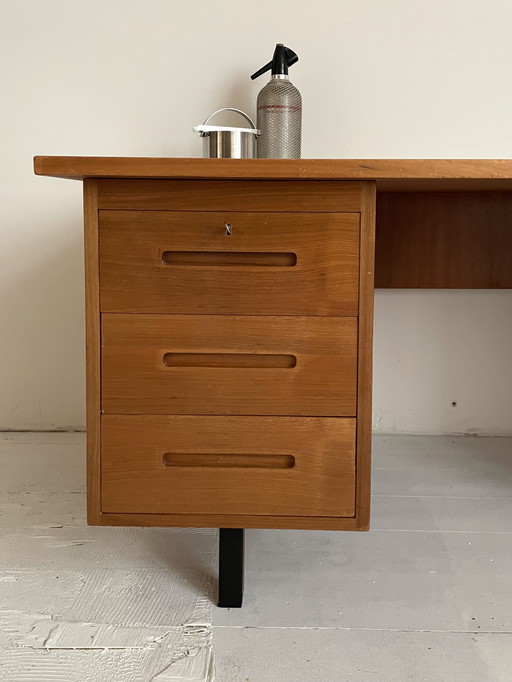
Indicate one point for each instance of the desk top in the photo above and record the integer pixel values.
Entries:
(389, 174)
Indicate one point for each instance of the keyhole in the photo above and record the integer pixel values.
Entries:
(229, 229)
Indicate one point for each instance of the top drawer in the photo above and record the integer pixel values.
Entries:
(270, 264)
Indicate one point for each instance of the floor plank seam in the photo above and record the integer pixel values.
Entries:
(442, 497)
(348, 629)
(440, 530)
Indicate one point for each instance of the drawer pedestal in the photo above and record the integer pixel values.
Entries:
(229, 370)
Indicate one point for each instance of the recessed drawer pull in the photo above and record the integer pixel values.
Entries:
(277, 259)
(228, 461)
(244, 360)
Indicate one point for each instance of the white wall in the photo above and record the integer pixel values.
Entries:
(396, 78)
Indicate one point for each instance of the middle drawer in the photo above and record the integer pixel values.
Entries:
(240, 365)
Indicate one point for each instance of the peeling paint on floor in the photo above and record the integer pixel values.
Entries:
(196, 666)
(50, 634)
(177, 650)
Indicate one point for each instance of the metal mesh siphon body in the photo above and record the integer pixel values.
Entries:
(279, 120)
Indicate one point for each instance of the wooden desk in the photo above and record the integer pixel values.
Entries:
(229, 324)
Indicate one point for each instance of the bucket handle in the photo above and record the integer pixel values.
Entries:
(238, 111)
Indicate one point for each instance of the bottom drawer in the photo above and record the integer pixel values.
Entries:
(297, 466)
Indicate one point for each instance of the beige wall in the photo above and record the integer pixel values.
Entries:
(396, 78)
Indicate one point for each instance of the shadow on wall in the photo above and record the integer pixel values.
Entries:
(43, 346)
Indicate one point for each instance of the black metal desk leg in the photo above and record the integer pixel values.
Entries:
(231, 567)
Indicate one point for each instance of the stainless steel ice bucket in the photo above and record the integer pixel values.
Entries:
(228, 142)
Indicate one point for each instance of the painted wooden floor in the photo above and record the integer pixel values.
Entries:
(426, 596)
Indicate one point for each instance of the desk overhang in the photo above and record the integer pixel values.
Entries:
(389, 174)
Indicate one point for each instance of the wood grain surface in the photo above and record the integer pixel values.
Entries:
(229, 195)
(135, 478)
(142, 269)
(398, 174)
(137, 379)
(444, 240)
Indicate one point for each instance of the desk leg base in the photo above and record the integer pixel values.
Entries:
(231, 567)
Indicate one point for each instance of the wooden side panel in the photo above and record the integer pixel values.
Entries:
(228, 465)
(187, 364)
(444, 240)
(93, 351)
(271, 264)
(230, 195)
(365, 357)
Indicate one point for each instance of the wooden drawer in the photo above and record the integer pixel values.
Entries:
(228, 465)
(216, 364)
(272, 264)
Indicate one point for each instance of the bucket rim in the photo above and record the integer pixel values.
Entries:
(206, 129)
